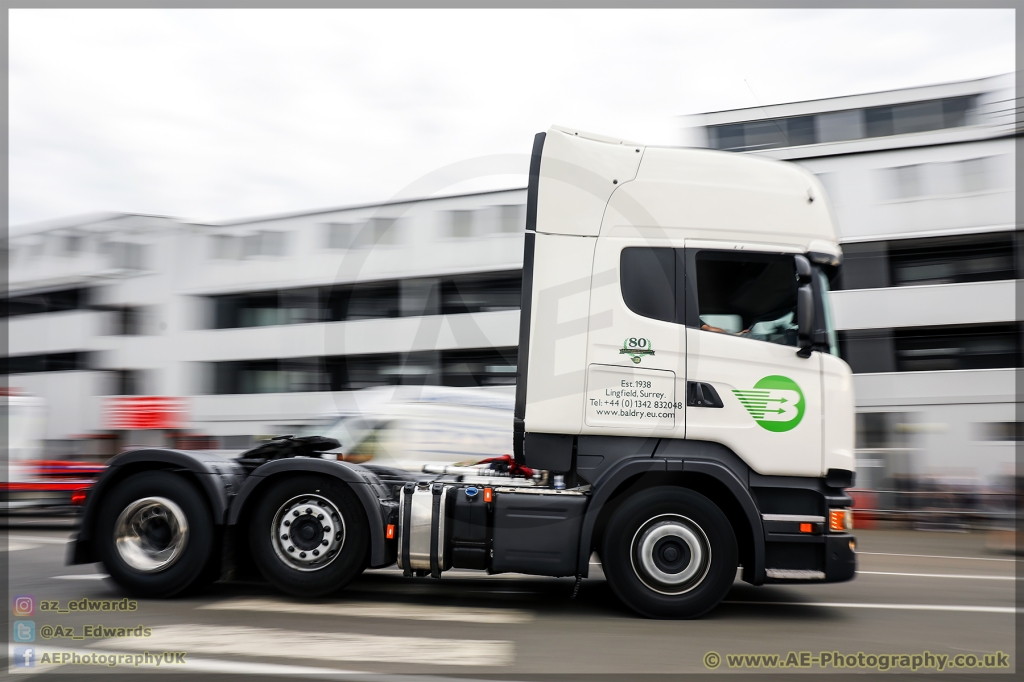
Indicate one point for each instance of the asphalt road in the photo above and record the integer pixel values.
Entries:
(939, 592)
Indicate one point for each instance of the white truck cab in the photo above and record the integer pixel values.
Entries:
(680, 409)
(656, 274)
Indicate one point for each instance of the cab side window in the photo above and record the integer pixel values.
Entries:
(751, 295)
(647, 277)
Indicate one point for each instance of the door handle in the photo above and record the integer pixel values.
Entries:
(702, 394)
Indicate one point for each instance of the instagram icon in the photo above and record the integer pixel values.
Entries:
(24, 605)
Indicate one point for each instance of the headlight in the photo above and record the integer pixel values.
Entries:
(840, 520)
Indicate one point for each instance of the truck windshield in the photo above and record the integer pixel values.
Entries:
(826, 305)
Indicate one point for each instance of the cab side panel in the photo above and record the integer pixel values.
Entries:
(558, 333)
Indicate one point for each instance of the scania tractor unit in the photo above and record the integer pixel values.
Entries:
(681, 412)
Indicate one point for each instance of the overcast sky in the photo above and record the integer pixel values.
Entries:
(214, 115)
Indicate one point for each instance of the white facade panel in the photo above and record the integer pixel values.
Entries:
(359, 337)
(918, 306)
(903, 389)
(74, 404)
(73, 330)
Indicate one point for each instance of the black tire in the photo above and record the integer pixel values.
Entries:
(280, 569)
(195, 554)
(684, 533)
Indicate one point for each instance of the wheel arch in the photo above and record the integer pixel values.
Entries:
(711, 479)
(357, 479)
(200, 471)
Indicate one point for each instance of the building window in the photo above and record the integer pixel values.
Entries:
(460, 224)
(1000, 431)
(929, 260)
(125, 255)
(480, 367)
(481, 293)
(364, 301)
(918, 117)
(293, 375)
(339, 235)
(839, 126)
(261, 309)
(127, 321)
(413, 297)
(929, 349)
(462, 367)
(73, 244)
(376, 232)
(46, 302)
(960, 347)
(974, 175)
(224, 246)
(47, 362)
(904, 182)
(126, 382)
(868, 351)
(951, 260)
(264, 243)
(511, 219)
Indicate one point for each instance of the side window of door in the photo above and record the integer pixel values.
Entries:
(751, 295)
(647, 278)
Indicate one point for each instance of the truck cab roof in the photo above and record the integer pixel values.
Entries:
(592, 185)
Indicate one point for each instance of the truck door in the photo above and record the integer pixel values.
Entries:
(754, 394)
(636, 342)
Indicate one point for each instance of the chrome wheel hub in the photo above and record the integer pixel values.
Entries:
(670, 554)
(308, 532)
(151, 534)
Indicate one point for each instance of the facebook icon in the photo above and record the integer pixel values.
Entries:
(24, 657)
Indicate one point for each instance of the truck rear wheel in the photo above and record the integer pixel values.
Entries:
(669, 553)
(309, 536)
(154, 534)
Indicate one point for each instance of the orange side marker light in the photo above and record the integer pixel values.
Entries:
(839, 520)
(488, 495)
(806, 528)
(391, 531)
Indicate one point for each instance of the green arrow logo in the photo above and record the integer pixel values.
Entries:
(776, 403)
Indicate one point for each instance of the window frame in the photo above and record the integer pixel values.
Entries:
(692, 306)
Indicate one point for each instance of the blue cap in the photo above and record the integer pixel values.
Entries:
(471, 491)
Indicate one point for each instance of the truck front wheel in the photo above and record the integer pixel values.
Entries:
(669, 553)
(154, 534)
(309, 536)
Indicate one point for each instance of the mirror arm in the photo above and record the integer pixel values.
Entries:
(805, 319)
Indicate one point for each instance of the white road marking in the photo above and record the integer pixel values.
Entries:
(939, 556)
(241, 640)
(80, 576)
(40, 539)
(892, 607)
(377, 610)
(15, 546)
(208, 665)
(941, 575)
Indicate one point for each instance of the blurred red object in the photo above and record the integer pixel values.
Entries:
(135, 412)
(864, 501)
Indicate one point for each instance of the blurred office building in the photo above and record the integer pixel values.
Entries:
(922, 184)
(142, 330)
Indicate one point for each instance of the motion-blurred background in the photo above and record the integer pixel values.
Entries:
(393, 321)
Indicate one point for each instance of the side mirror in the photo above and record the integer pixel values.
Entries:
(804, 319)
(803, 268)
